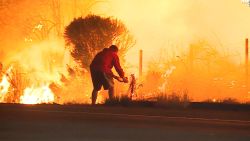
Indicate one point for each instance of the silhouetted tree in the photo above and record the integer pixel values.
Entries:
(93, 33)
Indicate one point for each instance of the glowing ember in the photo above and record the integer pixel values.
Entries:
(4, 85)
(37, 95)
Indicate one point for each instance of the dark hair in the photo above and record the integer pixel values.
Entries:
(113, 48)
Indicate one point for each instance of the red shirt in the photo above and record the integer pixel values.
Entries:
(105, 60)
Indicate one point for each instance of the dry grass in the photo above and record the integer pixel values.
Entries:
(173, 100)
(123, 100)
(18, 83)
(161, 100)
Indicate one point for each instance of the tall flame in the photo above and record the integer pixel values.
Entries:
(37, 95)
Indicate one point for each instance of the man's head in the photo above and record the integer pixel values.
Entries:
(113, 48)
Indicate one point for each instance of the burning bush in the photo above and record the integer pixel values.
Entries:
(93, 33)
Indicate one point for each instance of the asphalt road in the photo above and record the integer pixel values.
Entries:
(80, 123)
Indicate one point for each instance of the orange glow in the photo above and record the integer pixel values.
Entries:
(166, 31)
(190, 46)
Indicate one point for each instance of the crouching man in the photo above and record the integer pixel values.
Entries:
(102, 74)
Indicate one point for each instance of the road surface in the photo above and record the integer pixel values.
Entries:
(100, 123)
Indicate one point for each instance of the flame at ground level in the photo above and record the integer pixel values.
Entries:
(4, 85)
(37, 95)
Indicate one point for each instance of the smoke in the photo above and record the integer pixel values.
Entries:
(173, 25)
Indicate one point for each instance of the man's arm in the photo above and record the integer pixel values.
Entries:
(117, 66)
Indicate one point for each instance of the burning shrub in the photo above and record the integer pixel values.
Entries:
(18, 83)
(93, 33)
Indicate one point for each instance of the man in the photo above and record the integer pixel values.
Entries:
(102, 74)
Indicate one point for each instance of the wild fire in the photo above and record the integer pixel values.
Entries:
(47, 47)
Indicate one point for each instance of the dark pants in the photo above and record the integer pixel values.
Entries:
(100, 79)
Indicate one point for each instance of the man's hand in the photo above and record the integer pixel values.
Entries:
(125, 79)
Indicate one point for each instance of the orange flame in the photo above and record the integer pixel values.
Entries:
(37, 95)
(5, 84)
(100, 98)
